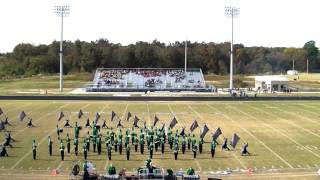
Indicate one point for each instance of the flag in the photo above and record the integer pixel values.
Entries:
(204, 131)
(234, 140)
(119, 124)
(182, 133)
(80, 113)
(129, 116)
(156, 119)
(61, 115)
(97, 117)
(163, 126)
(173, 122)
(113, 114)
(145, 124)
(1, 112)
(22, 115)
(216, 134)
(2, 126)
(136, 120)
(194, 125)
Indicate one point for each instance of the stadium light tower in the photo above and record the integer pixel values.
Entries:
(61, 11)
(185, 56)
(231, 12)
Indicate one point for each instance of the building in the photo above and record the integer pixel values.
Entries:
(271, 83)
(292, 72)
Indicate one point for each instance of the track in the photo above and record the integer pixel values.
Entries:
(160, 98)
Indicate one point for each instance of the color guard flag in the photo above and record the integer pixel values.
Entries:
(2, 126)
(113, 114)
(234, 140)
(129, 116)
(22, 115)
(216, 134)
(182, 132)
(173, 122)
(80, 113)
(136, 120)
(204, 131)
(61, 115)
(97, 117)
(156, 119)
(194, 125)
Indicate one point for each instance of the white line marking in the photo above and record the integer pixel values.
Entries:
(60, 165)
(123, 114)
(283, 134)
(172, 112)
(201, 117)
(35, 121)
(290, 122)
(248, 132)
(149, 115)
(41, 141)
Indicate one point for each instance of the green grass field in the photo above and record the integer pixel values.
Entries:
(284, 137)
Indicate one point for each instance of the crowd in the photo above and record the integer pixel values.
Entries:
(178, 74)
(143, 77)
(150, 73)
(113, 74)
(152, 82)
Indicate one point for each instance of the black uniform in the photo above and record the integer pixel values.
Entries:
(99, 145)
(225, 145)
(50, 146)
(128, 152)
(85, 150)
(68, 144)
(151, 150)
(3, 152)
(195, 149)
(62, 151)
(34, 150)
(109, 151)
(75, 143)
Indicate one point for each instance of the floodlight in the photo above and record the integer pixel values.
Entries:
(61, 11)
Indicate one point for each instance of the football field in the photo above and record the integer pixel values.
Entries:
(283, 136)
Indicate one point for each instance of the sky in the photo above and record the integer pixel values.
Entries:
(269, 23)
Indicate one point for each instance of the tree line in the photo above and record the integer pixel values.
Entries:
(80, 56)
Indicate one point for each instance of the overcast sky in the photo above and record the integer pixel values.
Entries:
(271, 23)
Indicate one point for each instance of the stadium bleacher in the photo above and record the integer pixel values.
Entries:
(147, 79)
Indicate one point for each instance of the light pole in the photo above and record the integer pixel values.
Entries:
(61, 11)
(307, 66)
(231, 12)
(185, 57)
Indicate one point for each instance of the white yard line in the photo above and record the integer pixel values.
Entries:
(14, 108)
(296, 114)
(60, 165)
(292, 123)
(172, 112)
(315, 108)
(101, 110)
(124, 112)
(262, 143)
(123, 115)
(149, 115)
(41, 141)
(283, 134)
(201, 117)
(34, 121)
